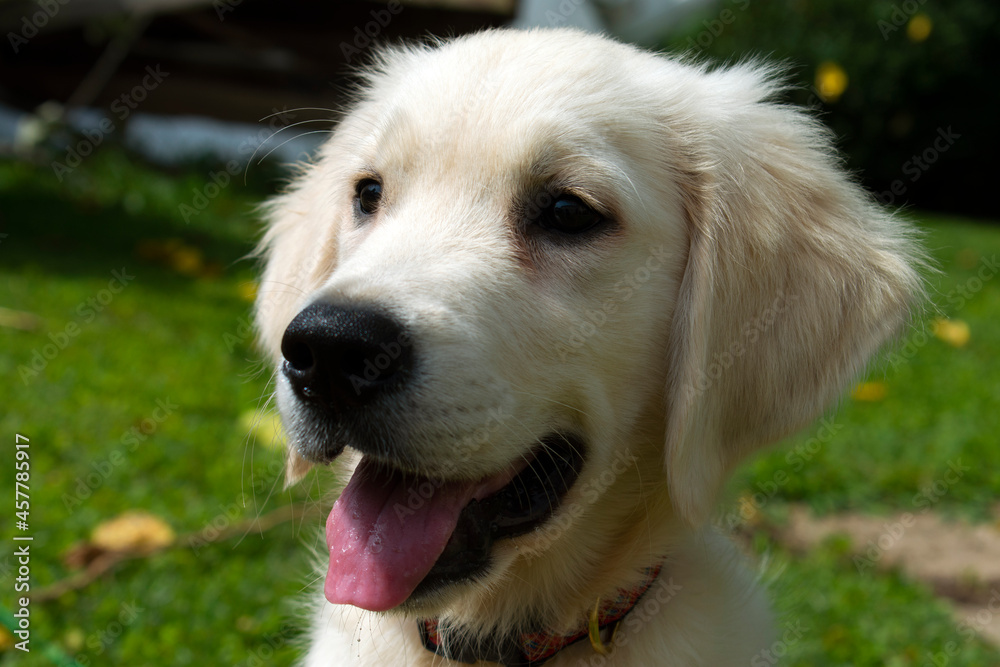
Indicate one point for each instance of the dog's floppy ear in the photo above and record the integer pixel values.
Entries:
(794, 279)
(299, 252)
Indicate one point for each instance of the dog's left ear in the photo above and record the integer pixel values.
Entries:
(794, 279)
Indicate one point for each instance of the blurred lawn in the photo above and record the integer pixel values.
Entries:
(177, 334)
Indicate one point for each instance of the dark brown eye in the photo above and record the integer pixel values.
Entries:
(569, 215)
(368, 195)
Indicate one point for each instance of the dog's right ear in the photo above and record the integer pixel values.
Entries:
(299, 252)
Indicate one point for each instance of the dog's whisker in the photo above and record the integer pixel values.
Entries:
(296, 124)
(282, 112)
(297, 136)
(251, 437)
(295, 288)
(279, 131)
(550, 400)
(312, 582)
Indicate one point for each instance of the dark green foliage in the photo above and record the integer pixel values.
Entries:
(901, 92)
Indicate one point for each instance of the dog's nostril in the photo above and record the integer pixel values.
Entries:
(344, 356)
(298, 355)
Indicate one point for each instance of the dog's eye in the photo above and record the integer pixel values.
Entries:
(569, 215)
(368, 195)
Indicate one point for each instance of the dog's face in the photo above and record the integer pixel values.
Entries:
(507, 282)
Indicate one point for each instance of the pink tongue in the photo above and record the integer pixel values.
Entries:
(385, 533)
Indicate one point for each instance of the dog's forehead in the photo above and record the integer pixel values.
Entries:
(530, 99)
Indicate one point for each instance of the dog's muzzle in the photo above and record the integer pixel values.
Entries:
(343, 358)
(395, 535)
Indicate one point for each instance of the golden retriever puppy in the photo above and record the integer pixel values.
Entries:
(538, 294)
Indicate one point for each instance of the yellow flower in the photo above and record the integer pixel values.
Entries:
(248, 290)
(954, 332)
(831, 81)
(870, 391)
(74, 639)
(919, 28)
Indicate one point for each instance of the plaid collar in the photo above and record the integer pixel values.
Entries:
(530, 649)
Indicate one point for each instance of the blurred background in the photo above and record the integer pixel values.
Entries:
(138, 136)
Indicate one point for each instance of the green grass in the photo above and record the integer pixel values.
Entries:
(176, 334)
(162, 338)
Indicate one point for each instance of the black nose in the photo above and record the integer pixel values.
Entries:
(339, 357)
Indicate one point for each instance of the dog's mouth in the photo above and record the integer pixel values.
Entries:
(393, 536)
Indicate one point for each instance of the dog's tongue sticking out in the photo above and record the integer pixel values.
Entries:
(386, 532)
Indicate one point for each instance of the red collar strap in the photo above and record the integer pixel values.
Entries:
(529, 649)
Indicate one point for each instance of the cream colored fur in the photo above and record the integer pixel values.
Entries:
(746, 281)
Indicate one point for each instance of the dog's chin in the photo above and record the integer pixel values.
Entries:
(455, 531)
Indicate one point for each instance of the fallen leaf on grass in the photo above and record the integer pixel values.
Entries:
(19, 319)
(133, 531)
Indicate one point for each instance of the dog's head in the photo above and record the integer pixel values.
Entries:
(552, 289)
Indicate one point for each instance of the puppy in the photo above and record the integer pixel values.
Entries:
(538, 294)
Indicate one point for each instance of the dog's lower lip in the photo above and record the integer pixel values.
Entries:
(515, 509)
